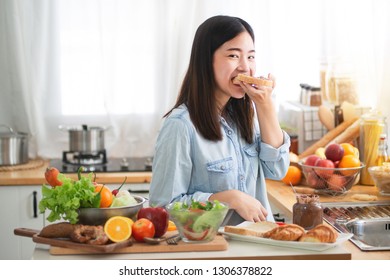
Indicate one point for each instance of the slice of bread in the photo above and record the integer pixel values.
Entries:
(253, 80)
(254, 229)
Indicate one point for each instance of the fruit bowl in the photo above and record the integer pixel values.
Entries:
(98, 216)
(199, 221)
(381, 177)
(332, 181)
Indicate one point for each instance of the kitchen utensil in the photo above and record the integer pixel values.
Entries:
(13, 146)
(171, 240)
(98, 216)
(85, 139)
(326, 117)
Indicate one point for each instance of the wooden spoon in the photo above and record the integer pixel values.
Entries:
(326, 117)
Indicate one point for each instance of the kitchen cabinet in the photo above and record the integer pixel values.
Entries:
(19, 208)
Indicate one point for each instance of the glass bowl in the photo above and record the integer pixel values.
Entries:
(195, 224)
(381, 177)
(98, 216)
(332, 181)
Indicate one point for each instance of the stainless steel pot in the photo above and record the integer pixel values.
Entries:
(85, 139)
(13, 146)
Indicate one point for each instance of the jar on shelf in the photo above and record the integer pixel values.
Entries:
(315, 96)
(323, 69)
(341, 84)
(372, 125)
(307, 211)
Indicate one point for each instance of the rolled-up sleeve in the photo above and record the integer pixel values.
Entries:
(275, 161)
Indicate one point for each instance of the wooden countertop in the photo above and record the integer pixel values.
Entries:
(36, 177)
(282, 196)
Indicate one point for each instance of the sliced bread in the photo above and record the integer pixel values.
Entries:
(254, 229)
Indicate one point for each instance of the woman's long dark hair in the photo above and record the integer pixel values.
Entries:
(197, 90)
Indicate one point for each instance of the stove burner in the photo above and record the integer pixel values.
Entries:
(132, 164)
(80, 158)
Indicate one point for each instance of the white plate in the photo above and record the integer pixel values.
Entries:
(313, 246)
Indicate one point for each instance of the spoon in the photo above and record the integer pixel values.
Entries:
(154, 240)
(296, 194)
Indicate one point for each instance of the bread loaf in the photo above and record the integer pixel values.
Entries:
(253, 80)
(58, 230)
(348, 135)
(256, 229)
(327, 138)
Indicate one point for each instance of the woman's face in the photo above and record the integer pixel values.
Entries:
(232, 58)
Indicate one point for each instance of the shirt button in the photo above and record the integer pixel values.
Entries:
(229, 132)
(242, 178)
(223, 167)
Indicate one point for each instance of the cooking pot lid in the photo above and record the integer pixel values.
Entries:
(7, 131)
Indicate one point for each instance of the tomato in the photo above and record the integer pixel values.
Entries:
(142, 228)
(51, 174)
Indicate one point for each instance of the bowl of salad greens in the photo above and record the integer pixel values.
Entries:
(198, 221)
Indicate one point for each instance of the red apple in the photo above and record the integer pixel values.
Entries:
(311, 160)
(336, 183)
(158, 216)
(327, 168)
(313, 180)
(334, 152)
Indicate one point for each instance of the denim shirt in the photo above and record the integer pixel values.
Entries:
(187, 166)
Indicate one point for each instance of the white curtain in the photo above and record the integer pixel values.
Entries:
(119, 63)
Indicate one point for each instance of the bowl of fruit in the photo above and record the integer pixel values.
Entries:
(334, 171)
(123, 204)
(197, 221)
(85, 201)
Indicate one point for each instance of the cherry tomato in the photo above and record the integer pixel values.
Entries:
(142, 228)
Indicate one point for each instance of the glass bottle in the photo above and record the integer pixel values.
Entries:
(372, 125)
(382, 151)
(307, 211)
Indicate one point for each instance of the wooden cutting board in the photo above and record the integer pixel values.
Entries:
(67, 247)
(218, 244)
(66, 243)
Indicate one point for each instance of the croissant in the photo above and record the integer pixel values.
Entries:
(321, 233)
(289, 232)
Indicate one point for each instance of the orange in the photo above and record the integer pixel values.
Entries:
(348, 149)
(171, 226)
(349, 161)
(293, 176)
(106, 195)
(118, 228)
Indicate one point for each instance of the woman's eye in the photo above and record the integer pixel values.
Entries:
(251, 57)
(233, 55)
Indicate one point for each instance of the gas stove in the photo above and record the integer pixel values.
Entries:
(132, 164)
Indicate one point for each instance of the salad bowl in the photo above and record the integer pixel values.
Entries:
(198, 221)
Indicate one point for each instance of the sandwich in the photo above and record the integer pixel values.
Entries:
(253, 80)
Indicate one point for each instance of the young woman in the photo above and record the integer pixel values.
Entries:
(222, 138)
